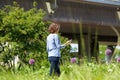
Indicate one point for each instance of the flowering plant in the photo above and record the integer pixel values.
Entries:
(31, 61)
(108, 52)
(118, 59)
(73, 60)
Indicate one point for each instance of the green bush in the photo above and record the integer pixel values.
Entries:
(24, 33)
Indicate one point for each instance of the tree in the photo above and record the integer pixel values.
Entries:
(23, 33)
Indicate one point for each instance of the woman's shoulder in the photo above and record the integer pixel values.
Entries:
(53, 35)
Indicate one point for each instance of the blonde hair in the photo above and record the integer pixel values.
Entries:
(53, 28)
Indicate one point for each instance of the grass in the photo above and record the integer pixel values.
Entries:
(87, 71)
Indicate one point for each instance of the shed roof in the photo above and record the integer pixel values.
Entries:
(91, 14)
(92, 17)
(112, 3)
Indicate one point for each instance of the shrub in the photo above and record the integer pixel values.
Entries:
(24, 33)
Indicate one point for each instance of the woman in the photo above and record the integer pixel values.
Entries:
(53, 48)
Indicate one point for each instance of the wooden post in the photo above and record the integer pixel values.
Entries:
(95, 49)
(79, 50)
(88, 47)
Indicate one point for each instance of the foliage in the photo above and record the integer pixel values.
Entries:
(24, 33)
(87, 71)
(91, 71)
(102, 49)
(65, 52)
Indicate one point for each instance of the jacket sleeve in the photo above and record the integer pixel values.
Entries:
(57, 42)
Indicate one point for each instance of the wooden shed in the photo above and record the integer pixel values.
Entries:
(90, 22)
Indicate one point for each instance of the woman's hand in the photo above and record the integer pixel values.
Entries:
(68, 42)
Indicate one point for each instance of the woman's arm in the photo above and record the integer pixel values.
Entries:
(57, 42)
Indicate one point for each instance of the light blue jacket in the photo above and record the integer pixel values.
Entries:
(53, 45)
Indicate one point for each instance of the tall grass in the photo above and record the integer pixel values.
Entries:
(92, 72)
(88, 71)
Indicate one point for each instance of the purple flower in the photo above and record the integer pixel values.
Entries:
(108, 52)
(73, 60)
(118, 59)
(31, 61)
